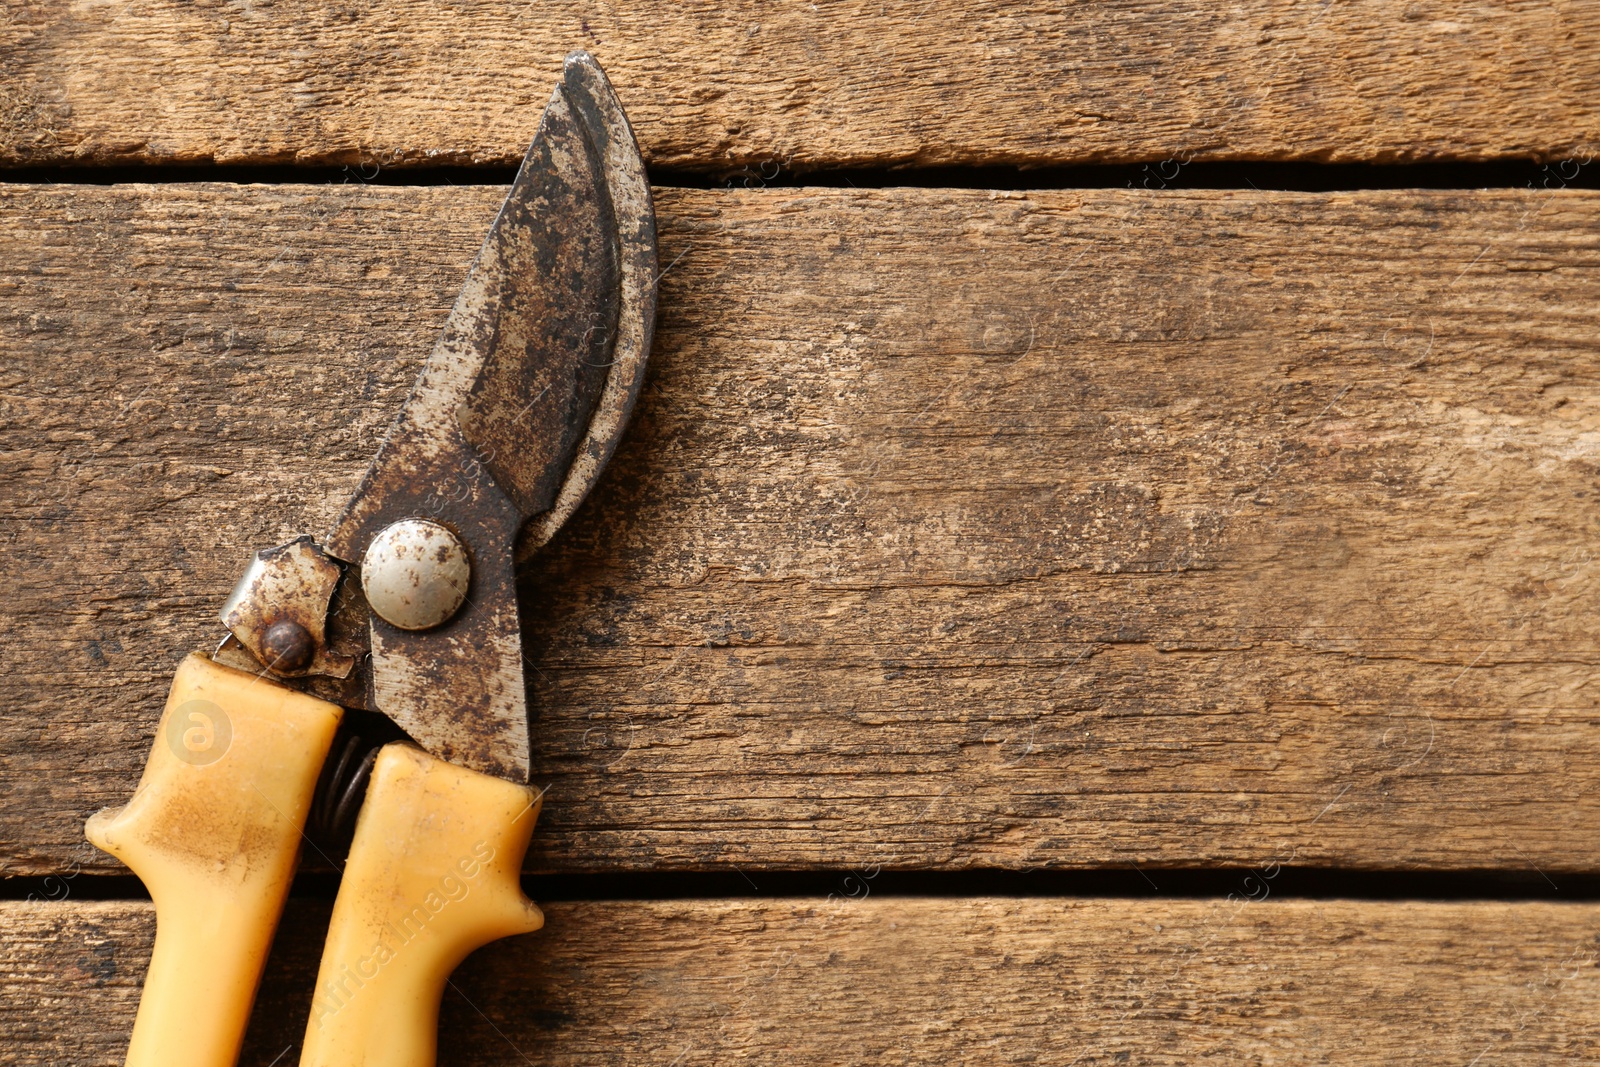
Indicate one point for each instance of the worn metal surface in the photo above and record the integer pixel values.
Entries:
(637, 272)
(545, 314)
(285, 593)
(514, 414)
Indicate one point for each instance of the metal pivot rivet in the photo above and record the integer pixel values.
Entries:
(415, 574)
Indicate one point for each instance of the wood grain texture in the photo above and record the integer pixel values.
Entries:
(897, 980)
(724, 86)
(955, 529)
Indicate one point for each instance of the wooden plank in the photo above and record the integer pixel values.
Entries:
(888, 980)
(765, 87)
(956, 529)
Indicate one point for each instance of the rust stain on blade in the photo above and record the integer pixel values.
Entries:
(555, 315)
(637, 273)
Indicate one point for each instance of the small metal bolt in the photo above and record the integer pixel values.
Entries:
(287, 647)
(415, 574)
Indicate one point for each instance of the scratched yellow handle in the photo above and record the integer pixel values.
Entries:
(432, 875)
(214, 829)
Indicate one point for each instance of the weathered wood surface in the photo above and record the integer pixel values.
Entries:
(955, 530)
(882, 980)
(720, 86)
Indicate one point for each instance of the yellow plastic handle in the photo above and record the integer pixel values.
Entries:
(432, 875)
(214, 829)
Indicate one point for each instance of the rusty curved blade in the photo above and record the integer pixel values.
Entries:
(637, 275)
(513, 416)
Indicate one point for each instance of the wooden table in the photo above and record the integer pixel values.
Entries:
(1155, 514)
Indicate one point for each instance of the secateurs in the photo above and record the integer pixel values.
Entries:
(406, 607)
